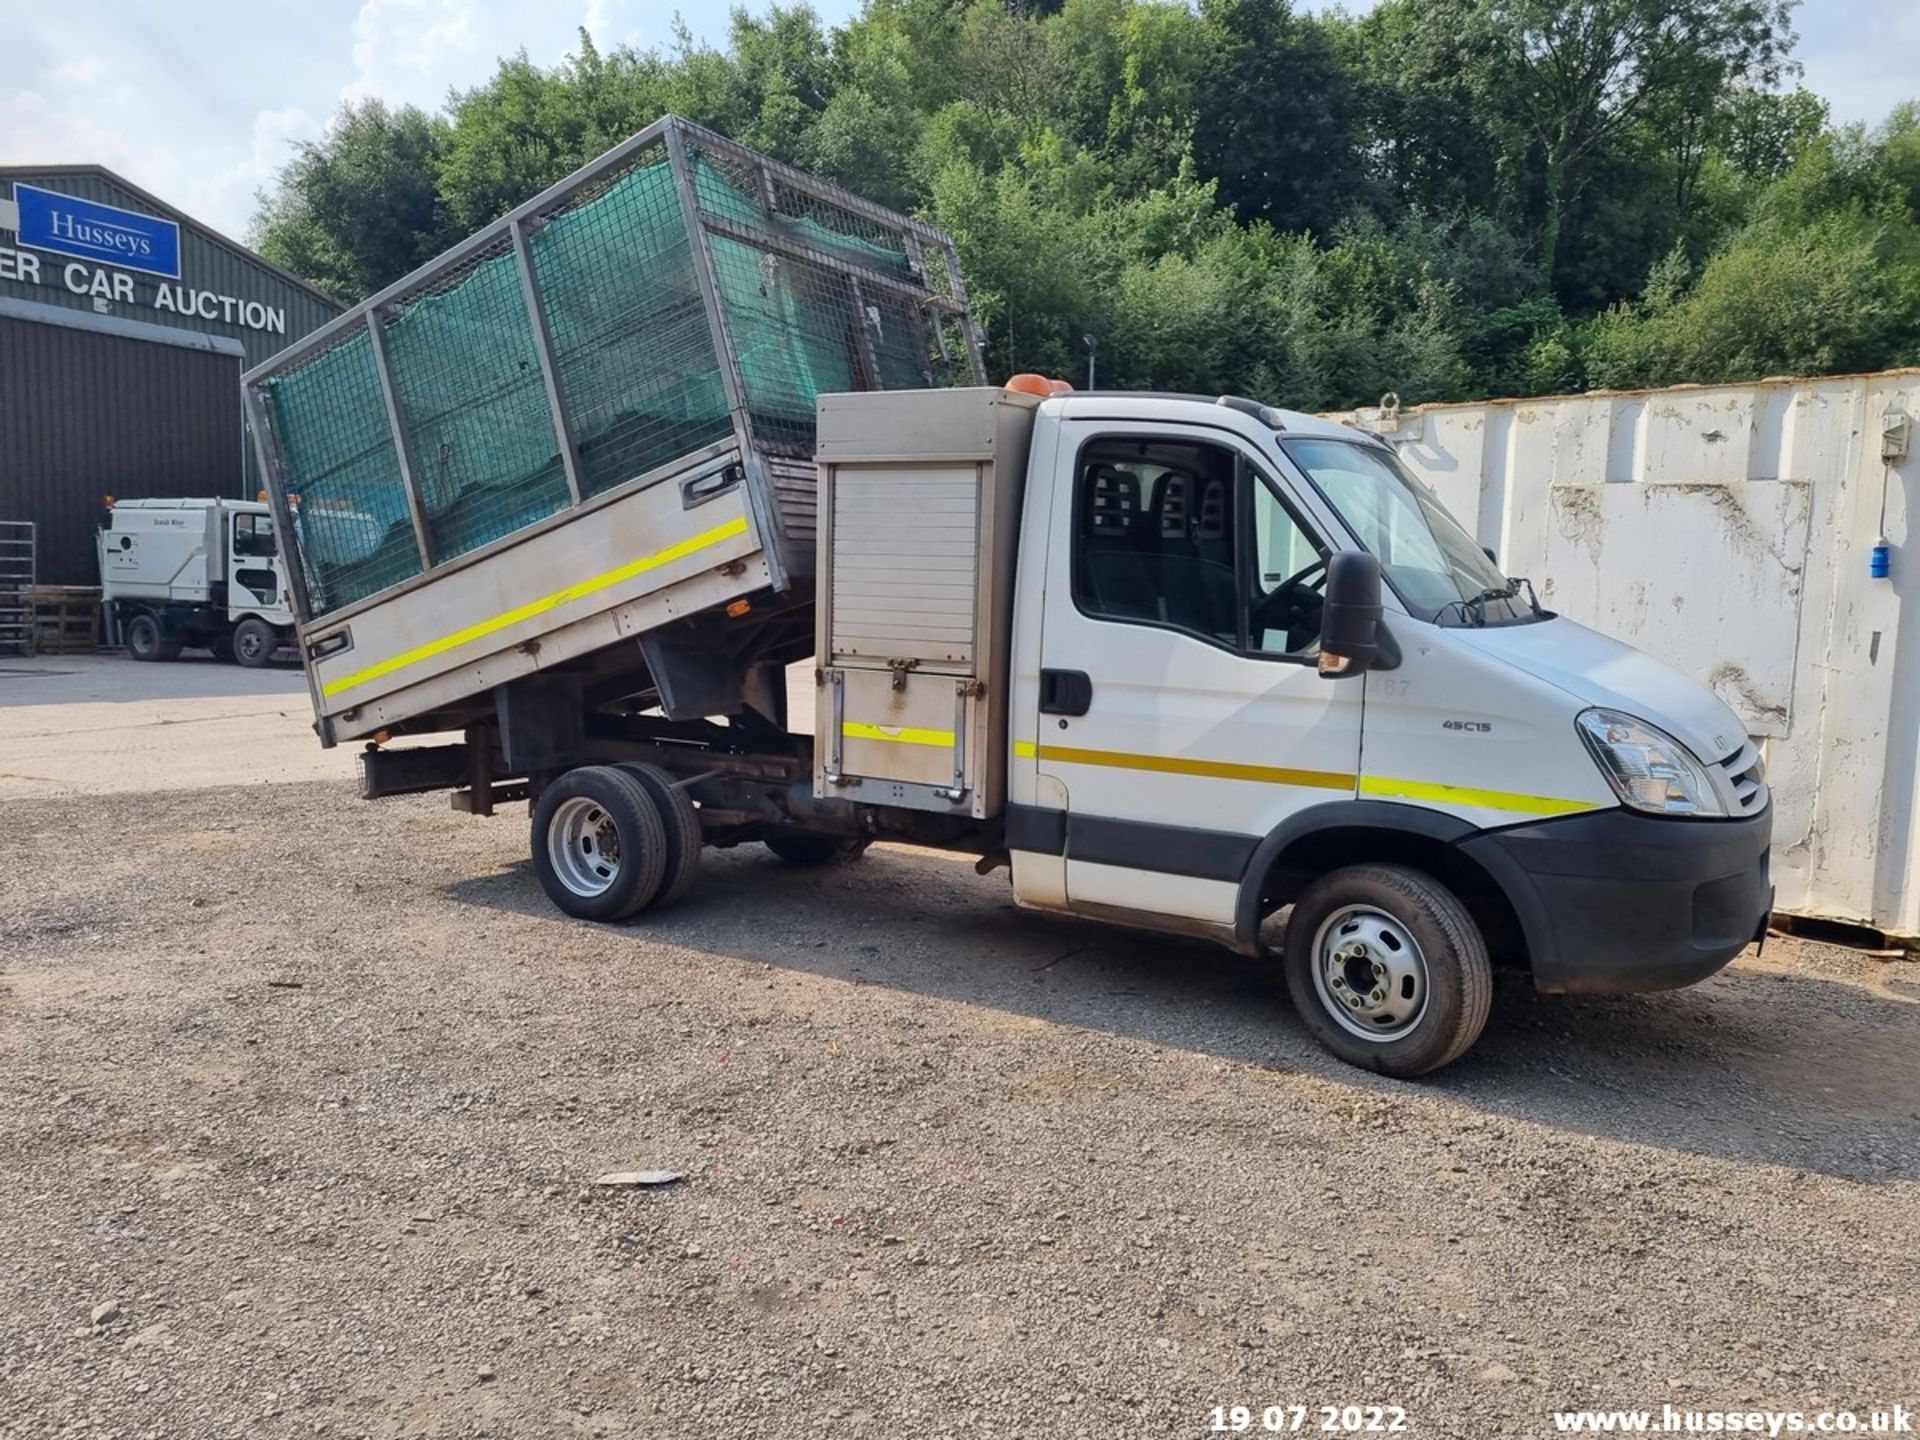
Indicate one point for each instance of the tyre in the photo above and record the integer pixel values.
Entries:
(599, 844)
(254, 642)
(146, 640)
(804, 847)
(1387, 969)
(684, 841)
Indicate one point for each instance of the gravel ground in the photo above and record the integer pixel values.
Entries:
(302, 1101)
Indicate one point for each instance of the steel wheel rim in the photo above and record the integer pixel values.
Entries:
(583, 847)
(1369, 973)
(248, 643)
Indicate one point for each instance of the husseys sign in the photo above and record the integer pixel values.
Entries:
(68, 225)
(105, 243)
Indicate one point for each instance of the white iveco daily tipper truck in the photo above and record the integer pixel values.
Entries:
(1176, 662)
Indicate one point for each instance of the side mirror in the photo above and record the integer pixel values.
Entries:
(1350, 615)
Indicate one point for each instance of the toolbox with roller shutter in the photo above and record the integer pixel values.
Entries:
(918, 519)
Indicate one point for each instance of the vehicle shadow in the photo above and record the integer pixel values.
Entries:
(1754, 1065)
(111, 675)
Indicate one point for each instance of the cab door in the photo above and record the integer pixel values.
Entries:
(1181, 712)
(254, 565)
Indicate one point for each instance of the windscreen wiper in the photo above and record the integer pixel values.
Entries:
(1473, 608)
(1476, 607)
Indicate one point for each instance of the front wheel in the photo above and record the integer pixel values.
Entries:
(1388, 969)
(254, 642)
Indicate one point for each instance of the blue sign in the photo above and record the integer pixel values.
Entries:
(68, 225)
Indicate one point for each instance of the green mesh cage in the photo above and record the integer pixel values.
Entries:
(812, 291)
(634, 348)
(354, 534)
(466, 371)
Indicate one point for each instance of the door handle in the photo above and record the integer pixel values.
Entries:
(1065, 692)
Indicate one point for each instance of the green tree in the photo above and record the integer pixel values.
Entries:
(1440, 198)
(1276, 118)
(360, 207)
(1580, 72)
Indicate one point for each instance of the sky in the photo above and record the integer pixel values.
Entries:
(200, 101)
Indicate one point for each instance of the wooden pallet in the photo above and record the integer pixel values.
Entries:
(66, 618)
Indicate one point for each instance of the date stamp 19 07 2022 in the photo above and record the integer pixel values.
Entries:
(1296, 1418)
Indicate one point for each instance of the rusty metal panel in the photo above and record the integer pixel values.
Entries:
(1728, 530)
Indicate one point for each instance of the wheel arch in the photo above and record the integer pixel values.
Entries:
(1321, 838)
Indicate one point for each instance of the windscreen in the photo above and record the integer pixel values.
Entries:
(1432, 564)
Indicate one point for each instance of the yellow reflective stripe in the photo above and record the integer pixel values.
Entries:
(1213, 769)
(1383, 786)
(896, 734)
(726, 531)
(1391, 789)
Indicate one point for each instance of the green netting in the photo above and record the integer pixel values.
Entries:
(631, 339)
(467, 374)
(810, 298)
(802, 327)
(331, 425)
(835, 234)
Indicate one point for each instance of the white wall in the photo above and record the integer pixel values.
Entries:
(1727, 530)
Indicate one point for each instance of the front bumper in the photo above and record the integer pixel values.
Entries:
(1614, 901)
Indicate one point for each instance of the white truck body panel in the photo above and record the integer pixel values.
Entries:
(166, 550)
(596, 576)
(1182, 732)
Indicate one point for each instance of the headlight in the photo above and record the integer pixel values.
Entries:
(1648, 769)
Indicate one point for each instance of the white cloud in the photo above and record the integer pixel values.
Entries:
(400, 47)
(224, 197)
(125, 130)
(598, 22)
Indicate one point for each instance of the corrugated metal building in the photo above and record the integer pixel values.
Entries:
(124, 329)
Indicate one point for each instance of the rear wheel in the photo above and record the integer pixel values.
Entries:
(1388, 969)
(254, 642)
(146, 640)
(804, 847)
(682, 822)
(599, 844)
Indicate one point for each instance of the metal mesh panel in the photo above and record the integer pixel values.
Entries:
(631, 339)
(809, 291)
(331, 426)
(815, 294)
(485, 454)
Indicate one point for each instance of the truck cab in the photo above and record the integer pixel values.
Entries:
(1186, 747)
(206, 573)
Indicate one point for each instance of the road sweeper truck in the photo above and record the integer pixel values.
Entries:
(575, 496)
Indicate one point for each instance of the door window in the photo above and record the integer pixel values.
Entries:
(1185, 535)
(253, 535)
(1289, 574)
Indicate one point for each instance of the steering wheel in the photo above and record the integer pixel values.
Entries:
(1285, 606)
